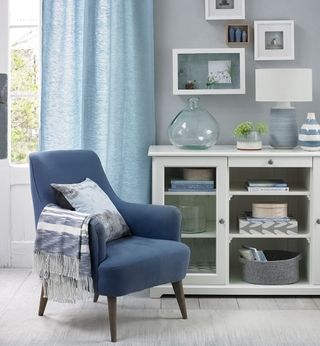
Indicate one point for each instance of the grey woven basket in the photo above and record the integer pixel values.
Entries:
(282, 268)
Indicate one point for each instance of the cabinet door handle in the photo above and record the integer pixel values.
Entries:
(221, 221)
(270, 162)
(318, 221)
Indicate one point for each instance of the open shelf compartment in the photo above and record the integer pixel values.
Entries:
(296, 245)
(298, 208)
(298, 180)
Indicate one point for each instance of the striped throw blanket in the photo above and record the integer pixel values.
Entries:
(62, 255)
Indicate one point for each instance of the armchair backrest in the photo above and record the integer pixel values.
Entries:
(64, 167)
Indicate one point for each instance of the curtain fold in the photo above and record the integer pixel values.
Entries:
(98, 86)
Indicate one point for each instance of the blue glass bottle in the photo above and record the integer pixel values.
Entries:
(238, 35)
(244, 36)
(231, 34)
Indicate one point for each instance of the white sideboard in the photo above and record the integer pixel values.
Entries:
(214, 266)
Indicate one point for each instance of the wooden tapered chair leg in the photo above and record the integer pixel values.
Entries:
(43, 303)
(112, 307)
(95, 297)
(178, 290)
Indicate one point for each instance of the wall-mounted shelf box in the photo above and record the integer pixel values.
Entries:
(217, 71)
(243, 27)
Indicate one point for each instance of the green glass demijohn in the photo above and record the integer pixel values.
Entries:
(193, 127)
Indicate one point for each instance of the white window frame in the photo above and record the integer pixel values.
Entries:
(38, 94)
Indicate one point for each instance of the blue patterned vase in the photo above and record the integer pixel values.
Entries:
(309, 134)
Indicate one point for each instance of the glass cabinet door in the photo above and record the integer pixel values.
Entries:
(197, 186)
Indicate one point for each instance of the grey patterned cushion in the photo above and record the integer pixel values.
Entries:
(61, 200)
(88, 197)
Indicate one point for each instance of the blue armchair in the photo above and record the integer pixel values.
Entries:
(152, 256)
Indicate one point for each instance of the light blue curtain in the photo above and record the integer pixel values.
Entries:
(98, 86)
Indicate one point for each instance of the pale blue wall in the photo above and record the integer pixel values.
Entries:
(181, 24)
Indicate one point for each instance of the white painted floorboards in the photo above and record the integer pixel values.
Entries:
(144, 321)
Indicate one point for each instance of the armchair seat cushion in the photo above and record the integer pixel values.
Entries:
(136, 263)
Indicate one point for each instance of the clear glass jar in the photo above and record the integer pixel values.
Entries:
(193, 127)
(193, 219)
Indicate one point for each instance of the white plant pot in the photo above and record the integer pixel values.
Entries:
(250, 142)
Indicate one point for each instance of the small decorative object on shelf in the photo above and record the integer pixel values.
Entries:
(237, 34)
(191, 84)
(198, 173)
(193, 127)
(270, 210)
(231, 34)
(267, 226)
(244, 36)
(309, 134)
(248, 135)
(266, 219)
(193, 219)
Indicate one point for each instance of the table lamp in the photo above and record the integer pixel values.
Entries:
(283, 86)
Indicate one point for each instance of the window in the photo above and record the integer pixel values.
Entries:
(24, 77)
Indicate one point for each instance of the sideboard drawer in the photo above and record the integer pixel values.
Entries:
(269, 161)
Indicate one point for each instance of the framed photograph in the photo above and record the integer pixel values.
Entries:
(274, 40)
(209, 71)
(225, 9)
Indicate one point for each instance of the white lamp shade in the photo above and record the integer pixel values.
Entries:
(284, 85)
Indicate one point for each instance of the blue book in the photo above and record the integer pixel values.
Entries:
(194, 186)
(192, 182)
(266, 183)
(190, 190)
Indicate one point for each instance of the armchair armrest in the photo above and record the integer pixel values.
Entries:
(97, 242)
(152, 221)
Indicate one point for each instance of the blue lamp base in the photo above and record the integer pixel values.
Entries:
(283, 128)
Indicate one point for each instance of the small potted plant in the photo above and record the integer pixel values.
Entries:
(248, 135)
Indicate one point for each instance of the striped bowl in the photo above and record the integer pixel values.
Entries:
(309, 134)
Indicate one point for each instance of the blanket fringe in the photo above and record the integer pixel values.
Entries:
(60, 278)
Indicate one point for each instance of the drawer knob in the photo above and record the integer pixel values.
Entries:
(221, 221)
(270, 162)
(318, 221)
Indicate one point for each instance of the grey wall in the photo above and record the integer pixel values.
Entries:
(181, 24)
(3, 116)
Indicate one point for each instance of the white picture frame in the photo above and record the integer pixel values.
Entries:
(224, 9)
(197, 62)
(274, 40)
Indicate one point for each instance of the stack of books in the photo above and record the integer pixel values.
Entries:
(191, 185)
(252, 254)
(256, 185)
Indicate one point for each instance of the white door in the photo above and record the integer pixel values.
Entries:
(198, 187)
